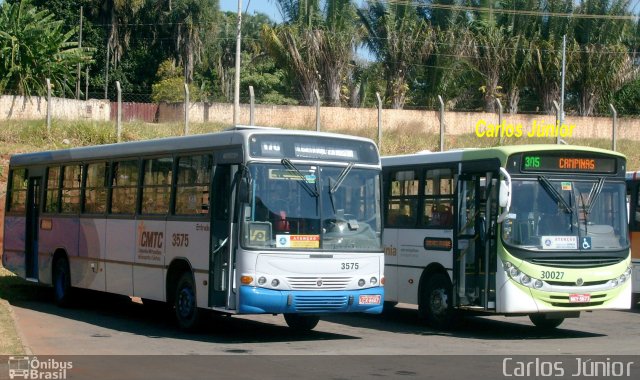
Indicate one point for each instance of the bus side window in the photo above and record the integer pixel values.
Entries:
(18, 191)
(637, 206)
(438, 198)
(52, 200)
(156, 185)
(124, 187)
(71, 184)
(192, 188)
(95, 193)
(403, 199)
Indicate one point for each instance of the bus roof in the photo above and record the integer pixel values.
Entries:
(633, 176)
(233, 136)
(500, 152)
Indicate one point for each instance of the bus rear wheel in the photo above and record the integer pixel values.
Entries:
(435, 302)
(185, 303)
(301, 322)
(62, 291)
(541, 321)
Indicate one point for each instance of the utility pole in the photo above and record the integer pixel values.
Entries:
(236, 92)
(564, 56)
(80, 47)
(106, 72)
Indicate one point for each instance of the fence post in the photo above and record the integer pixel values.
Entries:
(379, 121)
(558, 117)
(119, 118)
(317, 110)
(251, 105)
(441, 123)
(186, 109)
(500, 120)
(614, 130)
(48, 106)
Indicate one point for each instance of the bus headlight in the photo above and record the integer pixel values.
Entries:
(275, 282)
(373, 281)
(361, 282)
(507, 266)
(538, 284)
(614, 282)
(622, 278)
(525, 280)
(262, 280)
(627, 273)
(514, 272)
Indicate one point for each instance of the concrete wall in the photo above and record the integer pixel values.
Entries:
(457, 123)
(35, 108)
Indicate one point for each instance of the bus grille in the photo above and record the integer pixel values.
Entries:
(574, 262)
(317, 283)
(316, 303)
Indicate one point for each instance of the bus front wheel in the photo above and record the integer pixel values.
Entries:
(435, 302)
(185, 303)
(62, 282)
(301, 322)
(541, 321)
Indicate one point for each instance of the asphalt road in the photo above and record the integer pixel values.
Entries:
(383, 344)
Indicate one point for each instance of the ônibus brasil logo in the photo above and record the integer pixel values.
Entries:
(25, 367)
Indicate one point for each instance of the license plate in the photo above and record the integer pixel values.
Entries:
(369, 300)
(579, 298)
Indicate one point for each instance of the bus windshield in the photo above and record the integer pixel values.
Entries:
(551, 214)
(294, 206)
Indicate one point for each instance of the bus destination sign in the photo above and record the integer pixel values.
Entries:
(540, 162)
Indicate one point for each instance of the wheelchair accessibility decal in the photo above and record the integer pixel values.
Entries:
(585, 243)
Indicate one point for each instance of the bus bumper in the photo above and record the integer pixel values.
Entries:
(254, 300)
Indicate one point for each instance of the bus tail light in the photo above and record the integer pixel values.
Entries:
(246, 280)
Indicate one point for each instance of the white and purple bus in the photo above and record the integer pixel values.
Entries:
(246, 221)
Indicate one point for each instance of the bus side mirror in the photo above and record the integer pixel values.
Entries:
(244, 190)
(504, 200)
(504, 197)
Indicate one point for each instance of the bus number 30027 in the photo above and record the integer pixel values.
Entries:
(552, 275)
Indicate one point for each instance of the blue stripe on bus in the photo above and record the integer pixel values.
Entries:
(254, 300)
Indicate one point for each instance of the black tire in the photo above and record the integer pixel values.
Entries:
(301, 322)
(62, 290)
(541, 322)
(435, 302)
(635, 299)
(154, 305)
(185, 303)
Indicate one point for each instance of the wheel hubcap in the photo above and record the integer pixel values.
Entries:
(185, 302)
(439, 302)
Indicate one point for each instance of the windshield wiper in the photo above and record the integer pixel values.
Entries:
(341, 178)
(593, 194)
(303, 179)
(554, 193)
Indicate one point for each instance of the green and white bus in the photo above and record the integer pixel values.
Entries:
(537, 230)
(245, 221)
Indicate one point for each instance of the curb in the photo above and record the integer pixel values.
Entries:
(21, 336)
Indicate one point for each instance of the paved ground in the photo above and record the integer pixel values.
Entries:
(111, 325)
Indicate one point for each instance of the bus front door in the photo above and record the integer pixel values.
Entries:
(33, 224)
(219, 253)
(474, 285)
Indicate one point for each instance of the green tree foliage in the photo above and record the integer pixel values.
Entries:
(34, 46)
(400, 40)
(170, 85)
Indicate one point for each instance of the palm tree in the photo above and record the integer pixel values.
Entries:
(33, 47)
(604, 63)
(295, 44)
(400, 40)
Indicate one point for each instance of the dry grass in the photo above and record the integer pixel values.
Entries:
(9, 340)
